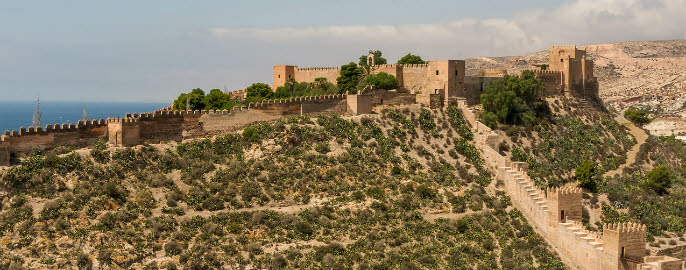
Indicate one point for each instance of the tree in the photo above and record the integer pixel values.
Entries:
(586, 174)
(216, 100)
(383, 80)
(515, 100)
(350, 76)
(378, 60)
(259, 90)
(197, 100)
(637, 116)
(659, 179)
(411, 59)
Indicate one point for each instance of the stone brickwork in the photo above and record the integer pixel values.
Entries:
(36, 138)
(393, 97)
(4, 156)
(124, 131)
(360, 104)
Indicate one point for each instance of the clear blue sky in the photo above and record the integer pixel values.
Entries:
(153, 50)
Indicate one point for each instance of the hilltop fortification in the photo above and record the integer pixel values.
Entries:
(434, 85)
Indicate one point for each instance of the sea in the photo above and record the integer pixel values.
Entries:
(14, 115)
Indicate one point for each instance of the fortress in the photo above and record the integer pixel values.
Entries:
(554, 213)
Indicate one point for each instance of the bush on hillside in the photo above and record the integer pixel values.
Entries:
(659, 179)
(637, 116)
(586, 174)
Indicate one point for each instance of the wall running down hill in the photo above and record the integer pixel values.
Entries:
(556, 214)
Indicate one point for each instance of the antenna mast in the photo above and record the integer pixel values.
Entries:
(37, 115)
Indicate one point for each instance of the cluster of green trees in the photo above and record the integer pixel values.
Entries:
(514, 101)
(197, 100)
(637, 116)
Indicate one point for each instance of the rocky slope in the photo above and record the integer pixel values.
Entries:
(648, 73)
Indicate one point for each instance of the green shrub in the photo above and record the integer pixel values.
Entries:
(659, 179)
(586, 174)
(637, 116)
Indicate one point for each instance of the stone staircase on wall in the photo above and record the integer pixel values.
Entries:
(578, 247)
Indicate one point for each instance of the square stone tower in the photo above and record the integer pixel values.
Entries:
(564, 204)
(281, 75)
(624, 245)
(577, 71)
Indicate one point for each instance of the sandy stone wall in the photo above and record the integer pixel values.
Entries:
(32, 139)
(385, 97)
(359, 104)
(309, 74)
(4, 156)
(314, 107)
(552, 81)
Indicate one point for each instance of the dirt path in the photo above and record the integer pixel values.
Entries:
(641, 137)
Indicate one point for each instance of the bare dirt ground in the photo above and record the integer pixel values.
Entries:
(641, 137)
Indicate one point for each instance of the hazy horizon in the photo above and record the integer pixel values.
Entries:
(151, 51)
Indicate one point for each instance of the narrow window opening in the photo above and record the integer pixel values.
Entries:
(456, 73)
(622, 251)
(562, 60)
(436, 72)
(289, 76)
(279, 76)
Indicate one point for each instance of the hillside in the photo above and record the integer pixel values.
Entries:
(405, 188)
(651, 73)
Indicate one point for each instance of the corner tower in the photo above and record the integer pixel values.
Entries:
(281, 75)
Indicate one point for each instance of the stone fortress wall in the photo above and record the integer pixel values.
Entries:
(439, 77)
(556, 214)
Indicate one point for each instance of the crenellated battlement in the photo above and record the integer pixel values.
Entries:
(24, 131)
(318, 68)
(415, 65)
(557, 191)
(626, 227)
(540, 71)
